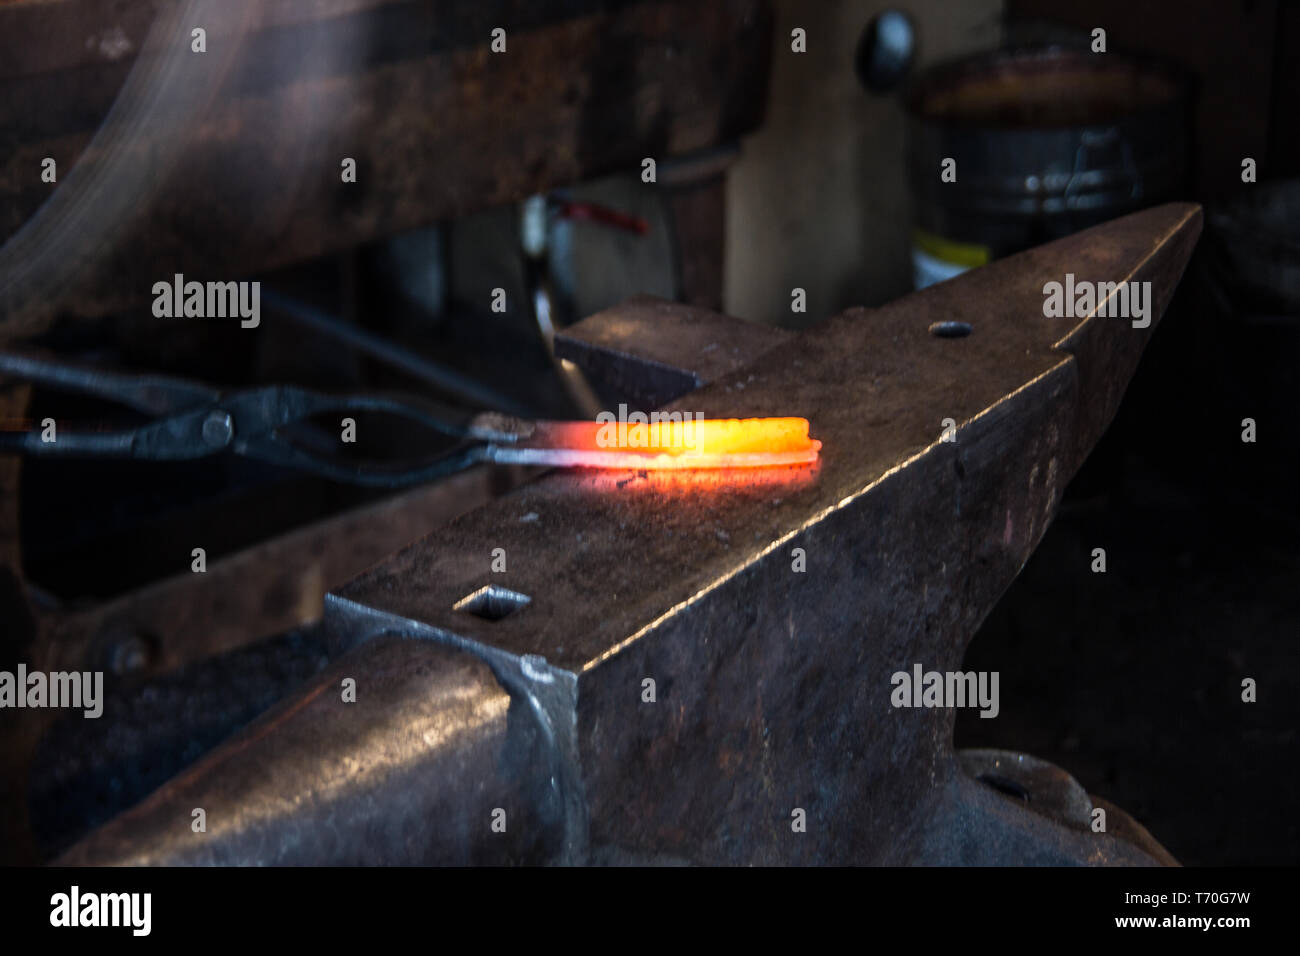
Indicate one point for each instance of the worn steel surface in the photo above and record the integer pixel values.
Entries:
(653, 350)
(772, 684)
(397, 777)
(242, 598)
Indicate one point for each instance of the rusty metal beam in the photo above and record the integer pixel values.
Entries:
(773, 686)
(226, 163)
(272, 587)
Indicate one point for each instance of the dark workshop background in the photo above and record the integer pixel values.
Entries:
(1130, 680)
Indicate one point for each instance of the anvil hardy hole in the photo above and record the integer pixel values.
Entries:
(951, 330)
(492, 603)
(1004, 785)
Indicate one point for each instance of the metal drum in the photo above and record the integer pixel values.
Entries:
(1044, 142)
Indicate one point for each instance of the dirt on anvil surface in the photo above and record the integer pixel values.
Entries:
(1131, 679)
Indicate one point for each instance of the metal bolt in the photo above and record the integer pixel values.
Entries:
(218, 429)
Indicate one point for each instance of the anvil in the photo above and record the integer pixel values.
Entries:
(629, 667)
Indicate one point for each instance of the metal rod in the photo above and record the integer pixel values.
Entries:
(440, 376)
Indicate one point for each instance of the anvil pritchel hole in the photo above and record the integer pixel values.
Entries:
(951, 330)
(492, 603)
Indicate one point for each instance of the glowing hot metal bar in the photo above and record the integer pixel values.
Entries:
(706, 443)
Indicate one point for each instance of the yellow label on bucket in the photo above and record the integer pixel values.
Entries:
(966, 254)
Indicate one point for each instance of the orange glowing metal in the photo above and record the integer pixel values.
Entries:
(704, 443)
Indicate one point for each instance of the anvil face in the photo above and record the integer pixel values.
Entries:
(699, 666)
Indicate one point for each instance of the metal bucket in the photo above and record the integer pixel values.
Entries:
(1046, 142)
